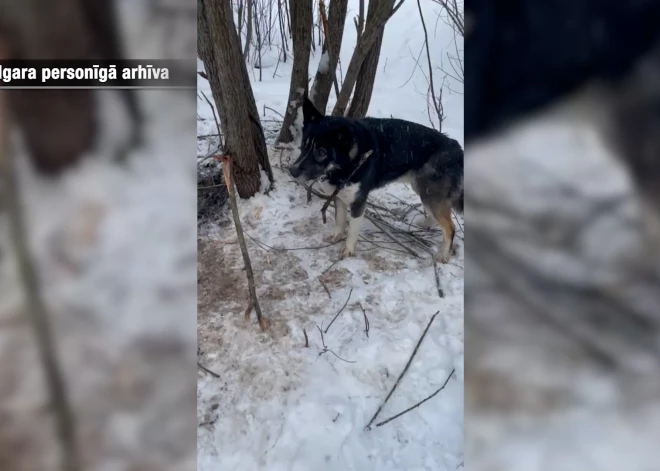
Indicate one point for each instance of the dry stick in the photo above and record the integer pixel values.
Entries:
(215, 117)
(375, 222)
(428, 58)
(366, 320)
(306, 338)
(325, 287)
(342, 308)
(228, 171)
(419, 342)
(419, 403)
(363, 159)
(36, 308)
(212, 373)
(441, 293)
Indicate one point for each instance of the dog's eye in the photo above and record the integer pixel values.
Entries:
(320, 154)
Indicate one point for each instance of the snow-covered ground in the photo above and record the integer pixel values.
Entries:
(278, 405)
(116, 250)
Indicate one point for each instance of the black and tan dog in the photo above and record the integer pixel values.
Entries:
(362, 155)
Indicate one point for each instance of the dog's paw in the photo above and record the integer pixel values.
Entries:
(334, 237)
(442, 257)
(346, 252)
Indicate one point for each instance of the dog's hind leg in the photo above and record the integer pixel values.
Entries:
(442, 213)
(341, 213)
(354, 226)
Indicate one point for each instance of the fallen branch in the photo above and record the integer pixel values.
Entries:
(212, 373)
(36, 308)
(419, 342)
(340, 311)
(419, 403)
(227, 169)
(366, 320)
(441, 293)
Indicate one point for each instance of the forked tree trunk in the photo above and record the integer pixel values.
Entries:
(323, 80)
(301, 27)
(219, 49)
(382, 12)
(367, 76)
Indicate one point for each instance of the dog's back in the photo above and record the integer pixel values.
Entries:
(404, 146)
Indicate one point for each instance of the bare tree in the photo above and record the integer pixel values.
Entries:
(367, 76)
(301, 22)
(366, 40)
(220, 51)
(325, 75)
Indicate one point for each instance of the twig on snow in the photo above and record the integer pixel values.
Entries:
(441, 293)
(212, 373)
(340, 311)
(419, 403)
(366, 320)
(419, 342)
(325, 287)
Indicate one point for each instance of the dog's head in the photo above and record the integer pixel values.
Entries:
(327, 144)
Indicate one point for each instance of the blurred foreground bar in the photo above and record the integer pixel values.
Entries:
(106, 182)
(562, 210)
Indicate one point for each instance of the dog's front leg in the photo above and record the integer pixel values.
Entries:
(341, 213)
(354, 225)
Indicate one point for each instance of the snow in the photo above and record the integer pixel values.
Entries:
(116, 253)
(324, 63)
(279, 405)
(535, 399)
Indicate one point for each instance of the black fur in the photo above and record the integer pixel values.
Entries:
(332, 148)
(398, 148)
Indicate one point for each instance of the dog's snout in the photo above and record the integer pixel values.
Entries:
(295, 171)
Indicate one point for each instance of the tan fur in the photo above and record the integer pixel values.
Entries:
(442, 213)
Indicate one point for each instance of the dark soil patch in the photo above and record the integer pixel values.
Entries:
(211, 193)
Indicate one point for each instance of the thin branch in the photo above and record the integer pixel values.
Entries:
(212, 373)
(419, 342)
(419, 403)
(340, 311)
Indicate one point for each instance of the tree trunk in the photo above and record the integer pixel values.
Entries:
(367, 76)
(323, 81)
(218, 46)
(301, 18)
(368, 38)
(248, 32)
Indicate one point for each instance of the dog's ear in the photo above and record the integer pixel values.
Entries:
(310, 113)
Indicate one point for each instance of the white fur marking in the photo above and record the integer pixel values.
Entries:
(348, 193)
(354, 226)
(353, 152)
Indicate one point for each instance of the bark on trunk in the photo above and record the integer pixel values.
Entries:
(301, 18)
(367, 76)
(218, 46)
(323, 81)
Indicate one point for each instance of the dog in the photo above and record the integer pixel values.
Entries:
(362, 155)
